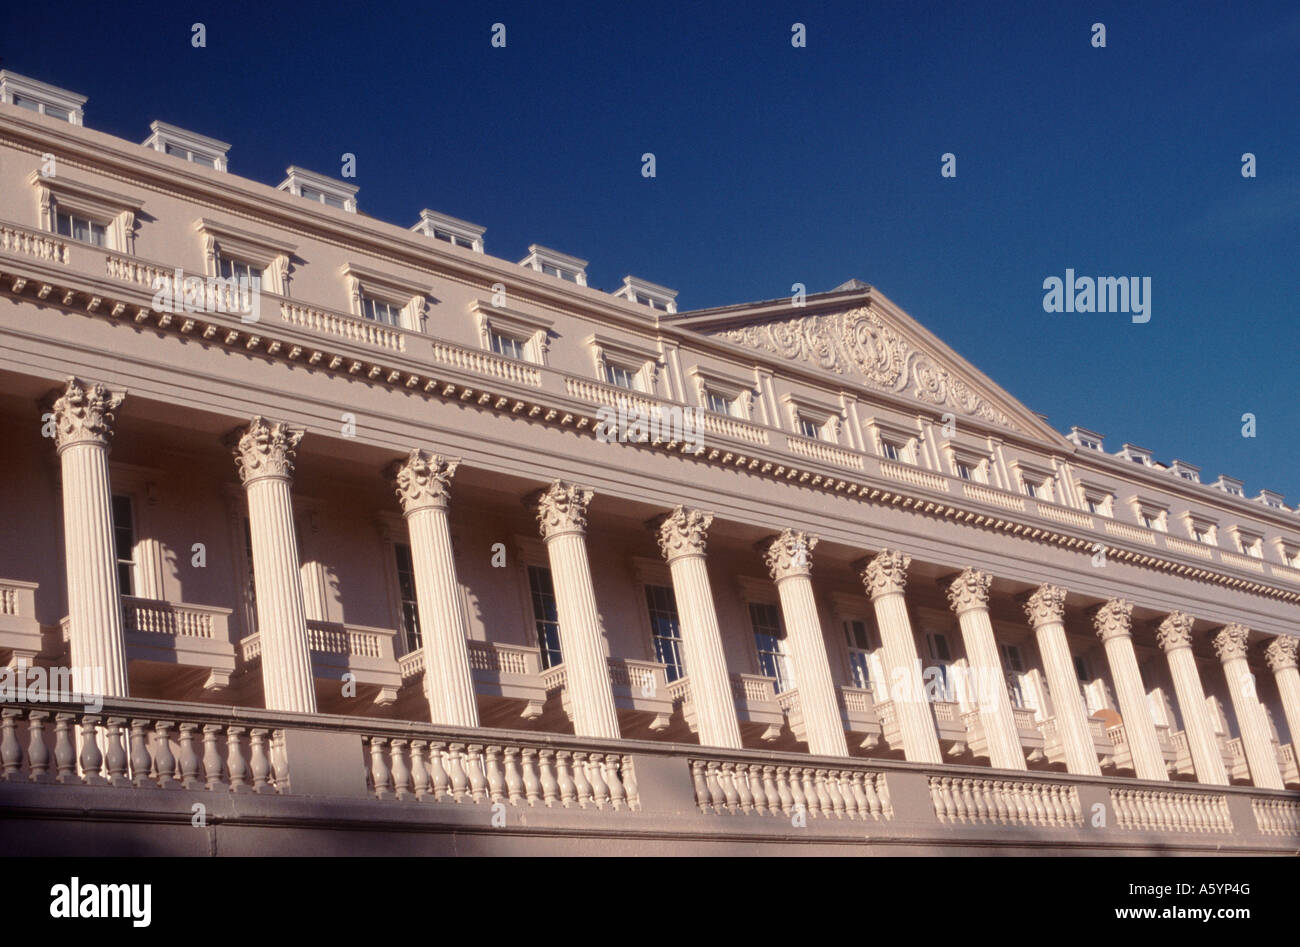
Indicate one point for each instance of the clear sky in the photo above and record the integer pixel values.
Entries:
(777, 165)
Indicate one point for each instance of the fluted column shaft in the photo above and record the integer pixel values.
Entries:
(423, 487)
(1175, 637)
(682, 537)
(1281, 655)
(562, 514)
(1045, 608)
(265, 455)
(968, 594)
(885, 578)
(1231, 644)
(1114, 626)
(789, 559)
(83, 427)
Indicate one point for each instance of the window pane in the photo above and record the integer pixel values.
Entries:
(406, 591)
(770, 644)
(665, 629)
(124, 544)
(25, 103)
(546, 615)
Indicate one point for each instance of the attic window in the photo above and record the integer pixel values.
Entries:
(187, 145)
(459, 233)
(644, 293)
(41, 98)
(571, 269)
(321, 189)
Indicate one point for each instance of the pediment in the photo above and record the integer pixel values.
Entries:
(888, 352)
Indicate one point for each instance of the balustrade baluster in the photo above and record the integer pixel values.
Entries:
(11, 752)
(514, 779)
(703, 798)
(784, 795)
(212, 757)
(568, 789)
(379, 778)
(279, 762)
(438, 770)
(770, 790)
(189, 758)
(474, 770)
(756, 790)
(532, 781)
(740, 780)
(726, 779)
(65, 754)
(459, 781)
(495, 777)
(799, 802)
(617, 795)
(580, 781)
(38, 754)
(550, 785)
(420, 780)
(115, 756)
(261, 762)
(401, 773)
(811, 799)
(92, 760)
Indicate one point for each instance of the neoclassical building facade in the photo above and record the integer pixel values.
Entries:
(368, 540)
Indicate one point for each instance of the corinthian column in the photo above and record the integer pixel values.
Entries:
(885, 578)
(968, 595)
(682, 536)
(1045, 608)
(1175, 637)
(1230, 645)
(264, 454)
(423, 487)
(1114, 624)
(789, 559)
(1281, 657)
(83, 427)
(562, 516)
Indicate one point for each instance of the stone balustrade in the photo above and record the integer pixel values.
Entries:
(1165, 811)
(741, 788)
(33, 243)
(1005, 802)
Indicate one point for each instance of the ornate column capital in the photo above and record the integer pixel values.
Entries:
(1114, 619)
(683, 532)
(561, 508)
(265, 450)
(423, 480)
(788, 553)
(886, 573)
(84, 414)
(967, 589)
(1045, 604)
(1281, 653)
(1175, 632)
(1231, 641)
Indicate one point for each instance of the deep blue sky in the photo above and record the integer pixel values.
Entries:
(779, 165)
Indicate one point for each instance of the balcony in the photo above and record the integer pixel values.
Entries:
(325, 784)
(641, 693)
(1031, 736)
(175, 648)
(857, 711)
(337, 650)
(20, 632)
(948, 724)
(758, 712)
(1054, 746)
(507, 680)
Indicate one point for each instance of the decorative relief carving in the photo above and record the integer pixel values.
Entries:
(1282, 653)
(1231, 642)
(859, 343)
(1045, 604)
(84, 414)
(1114, 619)
(423, 480)
(561, 508)
(1175, 631)
(266, 450)
(683, 532)
(789, 553)
(886, 573)
(967, 589)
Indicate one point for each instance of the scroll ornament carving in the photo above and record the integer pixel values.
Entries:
(1175, 631)
(968, 589)
(1045, 604)
(424, 480)
(886, 573)
(266, 450)
(1281, 654)
(562, 508)
(1114, 619)
(1231, 642)
(84, 414)
(858, 342)
(789, 553)
(684, 532)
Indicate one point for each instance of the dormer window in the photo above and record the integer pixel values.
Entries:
(41, 98)
(1081, 437)
(554, 263)
(644, 293)
(321, 189)
(1229, 485)
(187, 145)
(457, 232)
(1271, 500)
(1137, 455)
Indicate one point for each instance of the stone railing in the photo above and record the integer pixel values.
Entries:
(1277, 816)
(1005, 802)
(1062, 515)
(343, 326)
(1187, 548)
(1135, 533)
(178, 620)
(1155, 810)
(17, 599)
(1249, 563)
(914, 475)
(1008, 501)
(418, 769)
(486, 363)
(611, 396)
(728, 426)
(329, 637)
(135, 750)
(827, 453)
(33, 243)
(739, 788)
